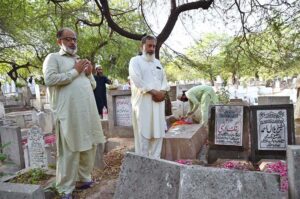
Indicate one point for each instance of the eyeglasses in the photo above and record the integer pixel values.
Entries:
(69, 39)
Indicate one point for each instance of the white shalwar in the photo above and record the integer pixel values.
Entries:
(148, 117)
(78, 126)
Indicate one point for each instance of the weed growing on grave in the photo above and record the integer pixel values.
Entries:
(33, 176)
(54, 191)
(2, 155)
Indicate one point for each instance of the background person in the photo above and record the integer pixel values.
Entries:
(148, 89)
(100, 90)
(201, 96)
(78, 127)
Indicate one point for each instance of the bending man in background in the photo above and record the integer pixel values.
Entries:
(201, 96)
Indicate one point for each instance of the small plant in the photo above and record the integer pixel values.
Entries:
(223, 95)
(33, 176)
(2, 155)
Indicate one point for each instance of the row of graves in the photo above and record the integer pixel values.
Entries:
(27, 141)
(235, 132)
(197, 161)
(28, 145)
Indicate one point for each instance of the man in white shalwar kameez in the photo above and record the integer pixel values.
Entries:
(148, 89)
(78, 127)
(297, 108)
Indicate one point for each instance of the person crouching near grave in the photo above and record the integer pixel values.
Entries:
(201, 97)
(148, 90)
(78, 127)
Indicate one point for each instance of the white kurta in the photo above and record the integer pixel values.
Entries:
(148, 116)
(73, 102)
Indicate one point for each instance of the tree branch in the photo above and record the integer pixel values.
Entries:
(105, 10)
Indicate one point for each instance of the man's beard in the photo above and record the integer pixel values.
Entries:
(148, 57)
(68, 49)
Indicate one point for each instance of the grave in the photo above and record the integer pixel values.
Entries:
(272, 129)
(45, 120)
(23, 119)
(119, 113)
(172, 93)
(147, 178)
(184, 87)
(293, 159)
(2, 110)
(228, 133)
(206, 183)
(24, 191)
(36, 148)
(12, 135)
(267, 100)
(183, 142)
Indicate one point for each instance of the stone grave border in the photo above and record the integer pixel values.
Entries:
(28, 191)
(256, 154)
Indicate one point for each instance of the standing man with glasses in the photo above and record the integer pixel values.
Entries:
(78, 128)
(148, 89)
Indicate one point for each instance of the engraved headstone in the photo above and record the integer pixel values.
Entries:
(229, 125)
(123, 111)
(119, 113)
(36, 148)
(272, 129)
(228, 132)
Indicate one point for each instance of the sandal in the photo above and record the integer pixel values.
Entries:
(67, 196)
(85, 185)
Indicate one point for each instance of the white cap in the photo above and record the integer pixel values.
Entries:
(98, 66)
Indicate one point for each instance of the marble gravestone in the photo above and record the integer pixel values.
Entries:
(36, 148)
(119, 113)
(228, 133)
(272, 129)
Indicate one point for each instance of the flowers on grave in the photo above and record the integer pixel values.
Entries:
(186, 162)
(280, 168)
(190, 162)
(238, 165)
(182, 121)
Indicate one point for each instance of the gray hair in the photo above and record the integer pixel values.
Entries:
(61, 32)
(148, 37)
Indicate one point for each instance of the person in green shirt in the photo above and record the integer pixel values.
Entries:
(201, 96)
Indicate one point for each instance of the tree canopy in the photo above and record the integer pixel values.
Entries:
(263, 35)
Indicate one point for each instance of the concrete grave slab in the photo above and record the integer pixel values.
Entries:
(12, 135)
(183, 142)
(24, 191)
(293, 162)
(147, 178)
(206, 183)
